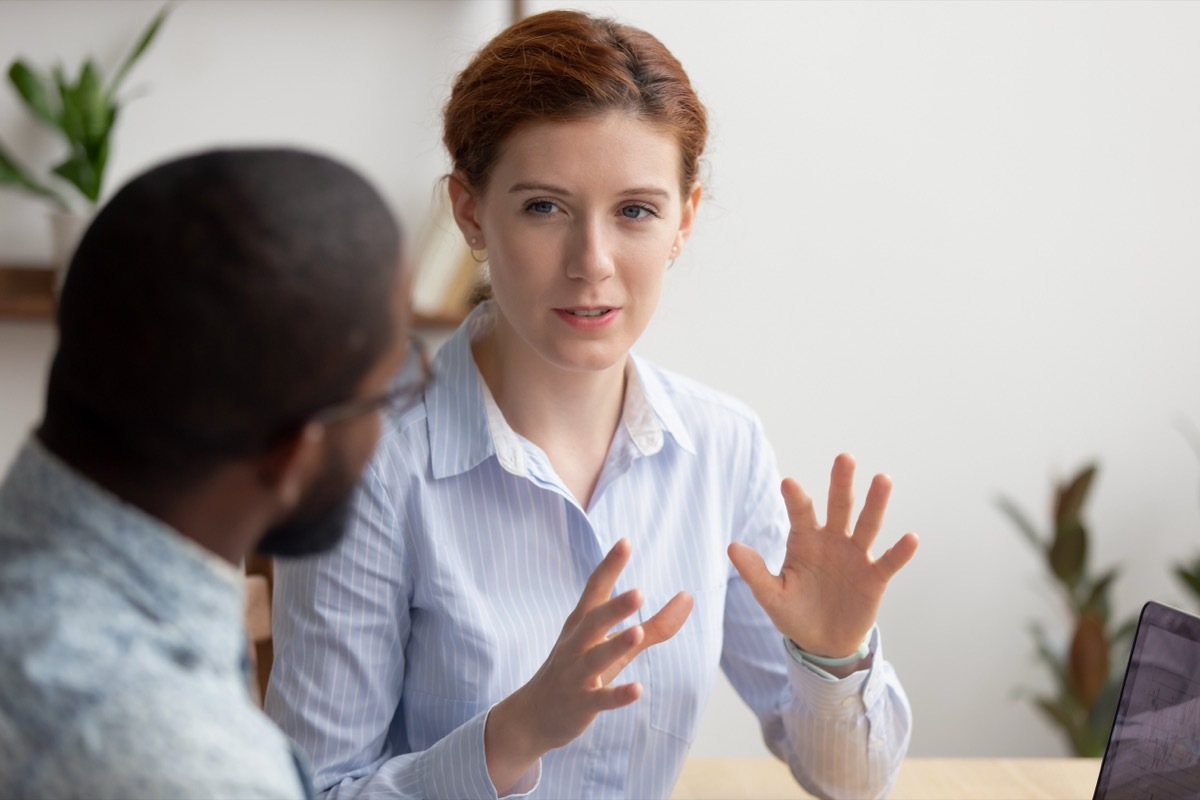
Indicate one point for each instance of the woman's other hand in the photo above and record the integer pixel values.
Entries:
(827, 593)
(575, 683)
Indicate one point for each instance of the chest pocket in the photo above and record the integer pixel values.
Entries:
(682, 670)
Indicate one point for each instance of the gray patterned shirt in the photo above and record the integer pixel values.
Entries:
(121, 653)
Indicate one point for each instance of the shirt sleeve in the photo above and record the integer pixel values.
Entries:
(841, 738)
(341, 622)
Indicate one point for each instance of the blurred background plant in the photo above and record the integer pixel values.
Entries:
(82, 112)
(1088, 673)
(1189, 573)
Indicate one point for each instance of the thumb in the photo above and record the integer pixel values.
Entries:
(754, 572)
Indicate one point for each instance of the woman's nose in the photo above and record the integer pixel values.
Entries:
(591, 256)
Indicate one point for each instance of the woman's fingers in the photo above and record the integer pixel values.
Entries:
(801, 514)
(669, 619)
(611, 697)
(897, 555)
(841, 494)
(870, 521)
(600, 583)
(750, 565)
(618, 650)
(596, 624)
(662, 626)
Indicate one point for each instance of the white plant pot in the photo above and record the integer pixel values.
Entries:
(66, 229)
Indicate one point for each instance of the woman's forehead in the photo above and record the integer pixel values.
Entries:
(611, 150)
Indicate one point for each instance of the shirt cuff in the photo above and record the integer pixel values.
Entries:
(456, 766)
(833, 697)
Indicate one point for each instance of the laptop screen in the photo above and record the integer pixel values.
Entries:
(1154, 747)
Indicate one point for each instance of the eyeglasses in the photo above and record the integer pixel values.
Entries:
(406, 388)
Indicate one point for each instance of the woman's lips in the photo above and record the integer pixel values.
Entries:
(588, 318)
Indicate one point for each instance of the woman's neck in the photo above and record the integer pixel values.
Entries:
(571, 415)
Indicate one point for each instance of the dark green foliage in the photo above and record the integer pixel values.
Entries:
(1088, 674)
(1189, 574)
(83, 111)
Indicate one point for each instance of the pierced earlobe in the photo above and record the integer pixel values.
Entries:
(475, 258)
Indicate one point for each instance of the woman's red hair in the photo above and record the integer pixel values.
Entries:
(566, 65)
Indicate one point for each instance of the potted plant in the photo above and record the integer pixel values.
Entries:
(1189, 573)
(83, 112)
(1088, 672)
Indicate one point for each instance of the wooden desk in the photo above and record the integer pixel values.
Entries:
(919, 779)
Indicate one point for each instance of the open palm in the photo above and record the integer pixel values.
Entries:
(827, 593)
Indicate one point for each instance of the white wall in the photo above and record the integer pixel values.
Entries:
(955, 239)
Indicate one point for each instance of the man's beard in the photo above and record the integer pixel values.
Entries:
(320, 521)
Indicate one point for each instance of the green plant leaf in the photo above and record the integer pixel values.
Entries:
(1070, 498)
(99, 161)
(1068, 553)
(69, 121)
(1190, 576)
(78, 171)
(1056, 710)
(1100, 718)
(1123, 632)
(143, 42)
(1018, 518)
(12, 175)
(88, 95)
(1089, 660)
(1063, 713)
(33, 90)
(1052, 660)
(1096, 599)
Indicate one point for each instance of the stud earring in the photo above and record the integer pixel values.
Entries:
(476, 259)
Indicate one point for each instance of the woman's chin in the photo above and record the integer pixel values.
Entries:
(590, 357)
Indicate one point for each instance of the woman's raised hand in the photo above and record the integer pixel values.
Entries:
(575, 683)
(827, 594)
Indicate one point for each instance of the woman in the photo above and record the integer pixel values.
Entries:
(550, 475)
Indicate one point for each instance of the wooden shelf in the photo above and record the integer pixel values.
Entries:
(428, 321)
(26, 292)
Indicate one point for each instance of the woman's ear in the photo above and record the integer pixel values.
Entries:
(290, 465)
(687, 220)
(465, 207)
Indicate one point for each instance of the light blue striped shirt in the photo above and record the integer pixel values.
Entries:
(466, 555)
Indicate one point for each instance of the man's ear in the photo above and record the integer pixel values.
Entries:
(465, 206)
(290, 465)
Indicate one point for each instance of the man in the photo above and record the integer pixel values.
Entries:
(228, 333)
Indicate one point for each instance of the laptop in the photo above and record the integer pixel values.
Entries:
(1153, 748)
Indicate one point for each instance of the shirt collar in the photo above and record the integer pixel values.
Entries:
(466, 426)
(168, 577)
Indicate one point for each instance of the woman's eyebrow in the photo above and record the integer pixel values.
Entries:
(534, 186)
(644, 190)
(538, 187)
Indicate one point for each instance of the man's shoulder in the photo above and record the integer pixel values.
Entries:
(170, 738)
(96, 701)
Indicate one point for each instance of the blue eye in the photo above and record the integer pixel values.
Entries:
(541, 207)
(637, 212)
